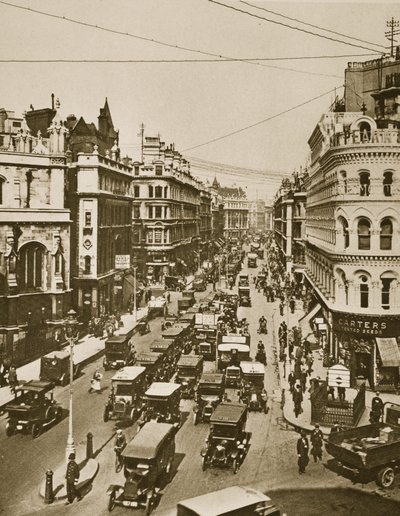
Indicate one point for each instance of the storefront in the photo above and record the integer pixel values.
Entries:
(369, 346)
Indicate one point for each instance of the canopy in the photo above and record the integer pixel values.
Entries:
(389, 351)
(304, 322)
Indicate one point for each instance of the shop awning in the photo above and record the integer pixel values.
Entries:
(389, 351)
(304, 322)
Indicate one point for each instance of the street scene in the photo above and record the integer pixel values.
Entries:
(199, 303)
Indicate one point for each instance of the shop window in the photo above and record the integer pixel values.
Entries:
(387, 184)
(364, 292)
(386, 282)
(386, 233)
(88, 265)
(364, 234)
(158, 192)
(365, 184)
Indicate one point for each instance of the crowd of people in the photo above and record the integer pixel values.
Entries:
(105, 325)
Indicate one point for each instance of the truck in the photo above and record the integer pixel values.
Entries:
(370, 450)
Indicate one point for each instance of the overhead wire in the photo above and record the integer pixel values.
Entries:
(237, 131)
(282, 24)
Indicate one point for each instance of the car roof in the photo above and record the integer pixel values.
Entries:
(36, 386)
(148, 357)
(62, 353)
(190, 360)
(145, 443)
(162, 389)
(228, 346)
(223, 501)
(173, 331)
(228, 413)
(118, 338)
(252, 367)
(128, 373)
(161, 344)
(212, 378)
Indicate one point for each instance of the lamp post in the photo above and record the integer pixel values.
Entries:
(134, 294)
(71, 334)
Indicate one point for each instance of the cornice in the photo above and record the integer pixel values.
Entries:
(342, 156)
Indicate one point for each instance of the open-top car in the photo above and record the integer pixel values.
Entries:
(174, 283)
(31, 410)
(210, 391)
(55, 367)
(228, 441)
(252, 390)
(147, 461)
(162, 401)
(244, 296)
(190, 368)
(127, 388)
(118, 352)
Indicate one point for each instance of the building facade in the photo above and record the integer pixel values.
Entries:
(236, 217)
(34, 238)
(205, 225)
(166, 212)
(257, 216)
(352, 249)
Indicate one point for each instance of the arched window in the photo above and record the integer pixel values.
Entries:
(158, 192)
(365, 132)
(387, 278)
(31, 262)
(387, 183)
(364, 292)
(386, 233)
(88, 265)
(364, 184)
(345, 229)
(364, 234)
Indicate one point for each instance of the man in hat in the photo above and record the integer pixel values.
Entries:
(302, 452)
(72, 477)
(119, 445)
(317, 438)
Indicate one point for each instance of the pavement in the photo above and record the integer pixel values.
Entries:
(303, 421)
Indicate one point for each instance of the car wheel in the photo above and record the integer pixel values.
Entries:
(106, 415)
(235, 466)
(195, 418)
(178, 289)
(385, 477)
(111, 502)
(58, 414)
(35, 430)
(64, 380)
(132, 415)
(149, 504)
(9, 429)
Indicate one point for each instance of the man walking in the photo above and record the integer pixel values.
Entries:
(297, 400)
(316, 441)
(72, 477)
(302, 452)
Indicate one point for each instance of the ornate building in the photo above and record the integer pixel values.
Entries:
(352, 246)
(34, 238)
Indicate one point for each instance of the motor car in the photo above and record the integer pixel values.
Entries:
(118, 352)
(152, 362)
(200, 282)
(232, 376)
(147, 466)
(232, 349)
(228, 442)
(126, 397)
(174, 283)
(169, 320)
(253, 375)
(55, 367)
(32, 409)
(252, 260)
(244, 296)
(210, 391)
(190, 369)
(189, 295)
(243, 280)
(235, 500)
(184, 305)
(162, 401)
(156, 306)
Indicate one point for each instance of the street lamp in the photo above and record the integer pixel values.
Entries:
(134, 294)
(72, 335)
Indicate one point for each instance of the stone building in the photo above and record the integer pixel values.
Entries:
(205, 224)
(257, 216)
(166, 212)
(34, 238)
(352, 245)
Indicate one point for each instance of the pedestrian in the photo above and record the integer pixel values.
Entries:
(281, 307)
(292, 304)
(341, 393)
(297, 400)
(317, 441)
(310, 362)
(302, 452)
(303, 380)
(377, 405)
(12, 379)
(292, 381)
(72, 477)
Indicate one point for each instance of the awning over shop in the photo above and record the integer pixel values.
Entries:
(389, 351)
(304, 322)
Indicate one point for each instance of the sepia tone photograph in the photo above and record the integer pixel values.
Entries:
(199, 274)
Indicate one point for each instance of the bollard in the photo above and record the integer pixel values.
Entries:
(89, 446)
(49, 495)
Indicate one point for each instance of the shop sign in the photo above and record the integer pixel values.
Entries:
(366, 325)
(122, 261)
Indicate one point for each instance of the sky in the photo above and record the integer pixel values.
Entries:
(191, 103)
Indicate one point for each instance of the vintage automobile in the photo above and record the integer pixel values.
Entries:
(164, 346)
(174, 283)
(55, 367)
(232, 349)
(243, 280)
(252, 260)
(235, 500)
(118, 352)
(200, 282)
(169, 320)
(31, 410)
(184, 305)
(232, 376)
(147, 461)
(176, 333)
(190, 368)
(210, 391)
(252, 386)
(228, 441)
(244, 296)
(162, 404)
(206, 349)
(152, 362)
(187, 318)
(189, 294)
(156, 306)
(126, 397)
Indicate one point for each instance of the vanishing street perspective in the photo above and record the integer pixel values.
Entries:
(199, 258)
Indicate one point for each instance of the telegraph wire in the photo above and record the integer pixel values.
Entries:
(311, 25)
(261, 121)
(282, 24)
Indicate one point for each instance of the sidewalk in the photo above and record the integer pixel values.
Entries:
(87, 348)
(303, 421)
